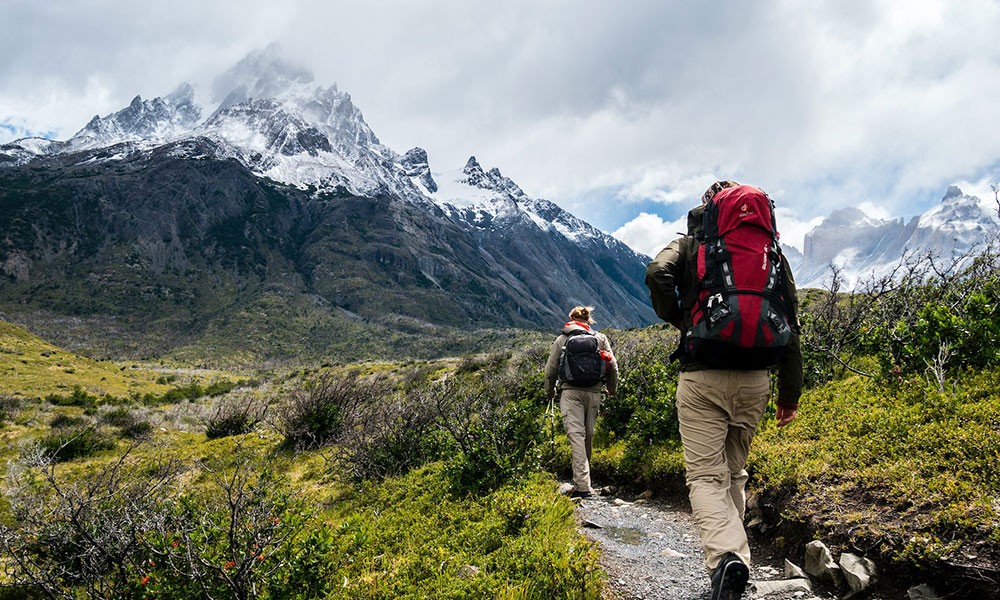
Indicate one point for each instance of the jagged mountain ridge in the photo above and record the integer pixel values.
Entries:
(863, 246)
(284, 191)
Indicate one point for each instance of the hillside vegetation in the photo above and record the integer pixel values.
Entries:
(403, 479)
(32, 367)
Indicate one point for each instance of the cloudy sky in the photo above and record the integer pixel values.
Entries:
(621, 112)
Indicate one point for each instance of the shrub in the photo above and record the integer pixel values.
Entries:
(9, 407)
(129, 424)
(390, 436)
(928, 316)
(119, 416)
(314, 417)
(643, 412)
(125, 531)
(140, 430)
(496, 426)
(64, 421)
(75, 442)
(235, 415)
(79, 538)
(79, 397)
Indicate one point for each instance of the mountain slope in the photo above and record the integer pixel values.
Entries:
(200, 253)
(276, 224)
(862, 246)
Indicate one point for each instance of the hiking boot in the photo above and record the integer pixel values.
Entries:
(729, 579)
(580, 494)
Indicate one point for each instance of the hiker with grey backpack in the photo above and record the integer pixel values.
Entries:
(728, 289)
(581, 367)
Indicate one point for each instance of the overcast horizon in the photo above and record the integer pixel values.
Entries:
(620, 114)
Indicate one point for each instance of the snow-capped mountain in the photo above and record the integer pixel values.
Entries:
(273, 118)
(279, 183)
(862, 246)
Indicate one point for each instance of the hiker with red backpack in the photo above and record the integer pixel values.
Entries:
(581, 366)
(728, 289)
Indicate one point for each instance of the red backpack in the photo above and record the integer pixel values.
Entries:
(740, 315)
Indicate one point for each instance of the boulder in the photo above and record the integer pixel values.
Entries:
(793, 571)
(922, 592)
(858, 571)
(820, 564)
(782, 586)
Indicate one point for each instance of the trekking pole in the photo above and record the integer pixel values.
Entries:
(550, 414)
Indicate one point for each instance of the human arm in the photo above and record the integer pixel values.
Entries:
(611, 382)
(790, 367)
(663, 276)
(785, 415)
(552, 367)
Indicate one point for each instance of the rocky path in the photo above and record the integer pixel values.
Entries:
(651, 551)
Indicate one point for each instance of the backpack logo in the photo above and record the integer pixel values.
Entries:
(739, 318)
(581, 363)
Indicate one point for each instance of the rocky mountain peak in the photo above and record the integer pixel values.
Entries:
(851, 240)
(261, 74)
(414, 164)
(953, 191)
(156, 119)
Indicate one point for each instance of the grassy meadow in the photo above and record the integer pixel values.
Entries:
(438, 478)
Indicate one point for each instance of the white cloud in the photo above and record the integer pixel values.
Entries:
(824, 105)
(792, 228)
(648, 233)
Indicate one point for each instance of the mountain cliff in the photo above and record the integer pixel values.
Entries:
(862, 246)
(275, 225)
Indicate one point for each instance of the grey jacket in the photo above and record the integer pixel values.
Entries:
(552, 365)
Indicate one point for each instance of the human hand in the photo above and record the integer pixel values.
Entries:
(785, 415)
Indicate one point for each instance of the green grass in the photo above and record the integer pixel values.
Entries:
(414, 540)
(32, 368)
(909, 465)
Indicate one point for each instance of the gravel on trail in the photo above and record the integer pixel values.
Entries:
(650, 550)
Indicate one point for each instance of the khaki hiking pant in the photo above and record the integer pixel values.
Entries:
(579, 412)
(719, 412)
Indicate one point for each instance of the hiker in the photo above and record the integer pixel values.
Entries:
(732, 296)
(580, 367)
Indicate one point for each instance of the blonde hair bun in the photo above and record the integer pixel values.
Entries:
(582, 314)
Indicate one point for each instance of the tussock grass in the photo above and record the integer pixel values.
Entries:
(905, 465)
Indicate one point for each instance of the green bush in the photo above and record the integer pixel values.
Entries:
(64, 421)
(9, 407)
(139, 430)
(314, 417)
(79, 397)
(643, 412)
(126, 532)
(235, 415)
(496, 424)
(75, 442)
(119, 416)
(392, 435)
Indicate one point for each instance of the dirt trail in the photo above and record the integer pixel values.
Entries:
(651, 550)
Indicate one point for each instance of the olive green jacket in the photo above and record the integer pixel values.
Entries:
(671, 279)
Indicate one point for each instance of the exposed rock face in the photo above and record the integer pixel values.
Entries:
(860, 245)
(173, 239)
